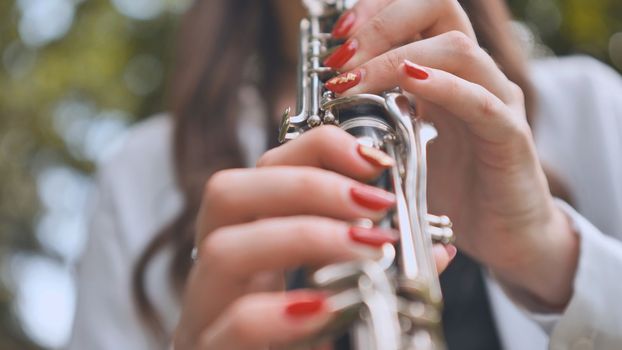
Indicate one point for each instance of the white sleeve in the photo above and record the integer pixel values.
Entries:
(105, 316)
(593, 318)
(579, 136)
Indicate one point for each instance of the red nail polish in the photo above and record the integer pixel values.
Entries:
(451, 251)
(372, 198)
(415, 71)
(306, 307)
(344, 25)
(343, 82)
(374, 237)
(342, 55)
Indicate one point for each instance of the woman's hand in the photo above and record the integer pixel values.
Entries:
(483, 169)
(295, 209)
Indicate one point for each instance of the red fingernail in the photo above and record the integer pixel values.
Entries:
(372, 198)
(344, 25)
(306, 307)
(375, 156)
(451, 251)
(343, 82)
(374, 237)
(342, 55)
(415, 71)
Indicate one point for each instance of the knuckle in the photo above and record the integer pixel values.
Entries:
(313, 232)
(391, 61)
(306, 180)
(462, 44)
(326, 139)
(489, 107)
(523, 130)
(215, 184)
(326, 134)
(211, 250)
(518, 129)
(517, 92)
(379, 26)
(307, 236)
(216, 188)
(453, 88)
(520, 137)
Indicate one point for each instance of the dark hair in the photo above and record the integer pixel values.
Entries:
(216, 39)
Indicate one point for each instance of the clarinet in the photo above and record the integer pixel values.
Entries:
(395, 302)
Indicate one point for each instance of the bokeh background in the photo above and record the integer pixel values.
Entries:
(75, 74)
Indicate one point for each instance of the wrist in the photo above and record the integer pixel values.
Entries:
(543, 279)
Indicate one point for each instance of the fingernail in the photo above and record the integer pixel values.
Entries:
(376, 157)
(415, 71)
(310, 306)
(342, 55)
(344, 25)
(343, 82)
(372, 198)
(374, 237)
(451, 251)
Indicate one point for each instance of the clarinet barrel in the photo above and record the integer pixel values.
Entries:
(395, 302)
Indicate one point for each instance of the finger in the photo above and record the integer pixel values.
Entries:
(352, 19)
(453, 52)
(271, 319)
(484, 113)
(239, 252)
(230, 256)
(330, 148)
(242, 195)
(398, 23)
(443, 255)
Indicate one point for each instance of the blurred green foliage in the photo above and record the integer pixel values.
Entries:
(573, 26)
(112, 62)
(92, 64)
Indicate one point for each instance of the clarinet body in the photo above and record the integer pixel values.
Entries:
(393, 303)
